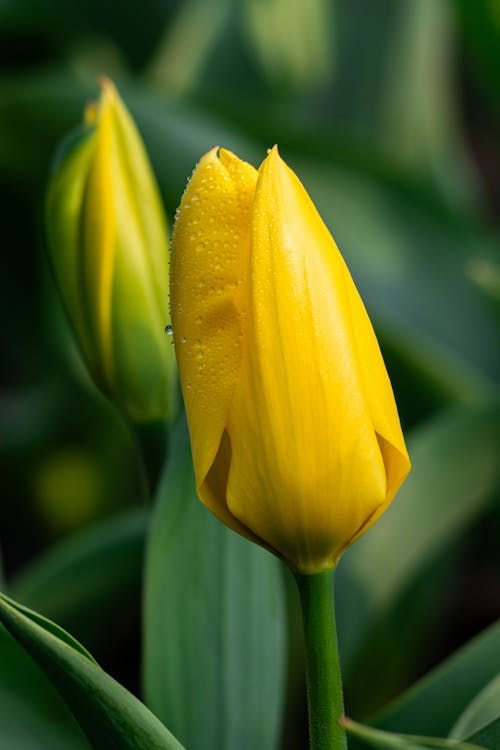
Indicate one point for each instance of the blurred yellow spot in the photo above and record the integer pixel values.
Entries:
(69, 489)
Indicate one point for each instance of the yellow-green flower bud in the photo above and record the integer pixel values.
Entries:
(295, 433)
(108, 246)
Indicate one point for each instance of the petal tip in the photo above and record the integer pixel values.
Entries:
(108, 89)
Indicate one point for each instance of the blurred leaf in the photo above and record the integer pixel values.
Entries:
(186, 44)
(488, 735)
(94, 571)
(485, 272)
(455, 478)
(32, 714)
(399, 97)
(365, 737)
(62, 28)
(215, 623)
(480, 27)
(419, 100)
(481, 713)
(109, 715)
(292, 41)
(434, 702)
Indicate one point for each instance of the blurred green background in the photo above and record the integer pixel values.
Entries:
(389, 111)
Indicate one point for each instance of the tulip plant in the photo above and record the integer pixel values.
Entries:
(295, 434)
(295, 438)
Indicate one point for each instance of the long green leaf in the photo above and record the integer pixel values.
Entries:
(111, 717)
(32, 714)
(433, 704)
(214, 623)
(369, 738)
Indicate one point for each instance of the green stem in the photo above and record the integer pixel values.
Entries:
(152, 443)
(324, 684)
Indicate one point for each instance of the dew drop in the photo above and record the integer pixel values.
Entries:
(169, 330)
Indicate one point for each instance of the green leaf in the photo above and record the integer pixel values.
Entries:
(214, 623)
(95, 570)
(481, 718)
(110, 716)
(480, 30)
(380, 581)
(32, 714)
(488, 735)
(434, 702)
(367, 738)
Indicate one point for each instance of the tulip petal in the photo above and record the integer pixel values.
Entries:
(99, 239)
(139, 279)
(65, 197)
(306, 468)
(211, 242)
(380, 399)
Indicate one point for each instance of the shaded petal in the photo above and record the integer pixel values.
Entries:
(211, 242)
(65, 197)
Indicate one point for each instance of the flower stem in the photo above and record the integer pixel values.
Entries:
(324, 684)
(152, 443)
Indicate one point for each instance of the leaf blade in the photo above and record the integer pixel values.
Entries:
(230, 629)
(110, 716)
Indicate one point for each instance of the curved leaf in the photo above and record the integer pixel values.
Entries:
(374, 739)
(111, 717)
(32, 714)
(481, 718)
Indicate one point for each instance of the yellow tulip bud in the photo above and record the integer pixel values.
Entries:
(294, 430)
(108, 246)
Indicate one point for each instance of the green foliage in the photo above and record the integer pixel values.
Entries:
(214, 622)
(480, 722)
(32, 714)
(365, 738)
(434, 703)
